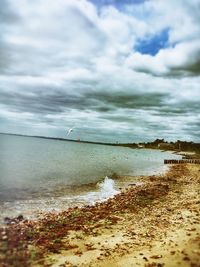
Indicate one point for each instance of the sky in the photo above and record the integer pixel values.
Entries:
(113, 70)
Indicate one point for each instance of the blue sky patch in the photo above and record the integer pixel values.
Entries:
(152, 45)
(116, 3)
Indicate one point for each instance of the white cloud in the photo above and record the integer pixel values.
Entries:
(65, 62)
(174, 61)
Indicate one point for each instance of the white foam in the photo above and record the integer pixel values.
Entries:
(31, 208)
(106, 189)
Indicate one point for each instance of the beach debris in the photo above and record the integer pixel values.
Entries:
(154, 264)
(51, 234)
(17, 219)
(156, 257)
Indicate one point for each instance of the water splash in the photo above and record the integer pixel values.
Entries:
(106, 190)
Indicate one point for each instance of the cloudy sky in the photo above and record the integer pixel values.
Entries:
(116, 70)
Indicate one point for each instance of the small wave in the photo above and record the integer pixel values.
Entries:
(107, 187)
(106, 190)
(34, 207)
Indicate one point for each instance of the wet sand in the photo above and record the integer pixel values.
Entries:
(155, 223)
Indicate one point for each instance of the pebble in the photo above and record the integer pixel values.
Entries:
(4, 237)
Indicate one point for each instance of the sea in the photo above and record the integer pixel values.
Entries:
(45, 175)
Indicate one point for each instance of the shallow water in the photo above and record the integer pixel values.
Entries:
(42, 174)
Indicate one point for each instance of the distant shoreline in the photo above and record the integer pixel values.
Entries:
(158, 144)
(72, 140)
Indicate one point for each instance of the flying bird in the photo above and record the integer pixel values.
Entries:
(69, 131)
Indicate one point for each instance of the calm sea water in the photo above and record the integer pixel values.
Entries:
(42, 174)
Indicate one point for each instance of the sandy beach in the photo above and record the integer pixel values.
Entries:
(155, 223)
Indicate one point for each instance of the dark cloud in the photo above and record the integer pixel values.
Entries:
(183, 108)
(191, 68)
(56, 100)
(7, 14)
(137, 111)
(108, 102)
(39, 103)
(4, 57)
(8, 17)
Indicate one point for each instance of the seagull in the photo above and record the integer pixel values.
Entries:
(69, 131)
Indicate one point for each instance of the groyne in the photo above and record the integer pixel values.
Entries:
(181, 161)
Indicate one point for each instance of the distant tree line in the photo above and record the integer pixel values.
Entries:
(178, 145)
